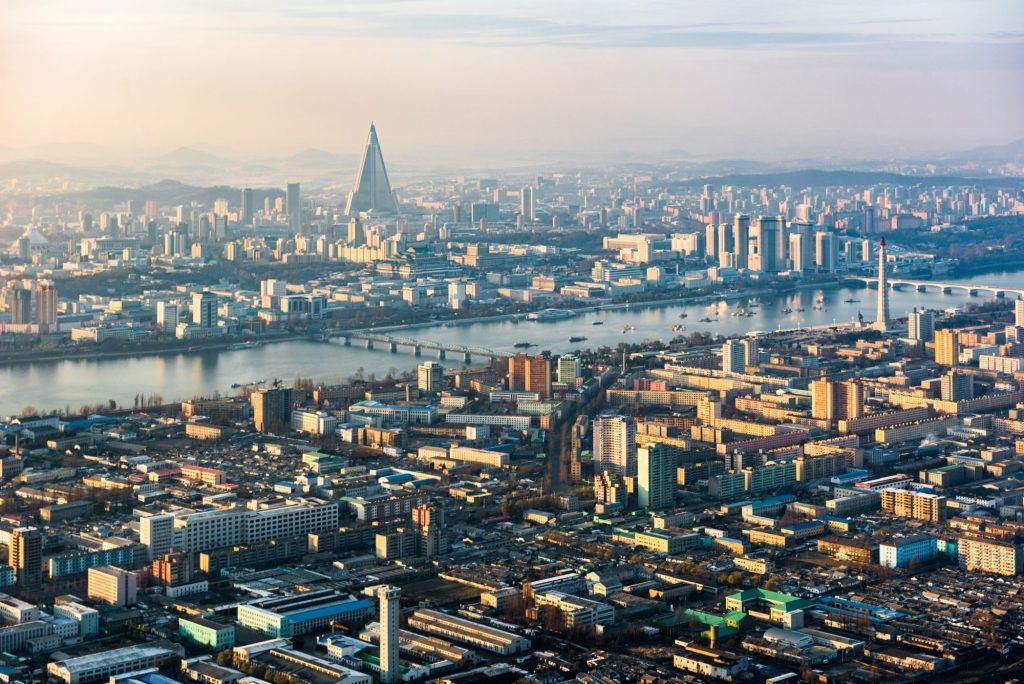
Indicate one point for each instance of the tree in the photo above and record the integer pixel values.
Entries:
(28, 410)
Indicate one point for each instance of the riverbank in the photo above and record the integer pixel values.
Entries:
(89, 353)
(168, 348)
(611, 306)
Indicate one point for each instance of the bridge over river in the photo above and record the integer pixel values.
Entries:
(924, 285)
(370, 340)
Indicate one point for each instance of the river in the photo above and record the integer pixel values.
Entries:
(49, 385)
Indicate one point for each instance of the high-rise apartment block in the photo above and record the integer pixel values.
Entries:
(947, 347)
(430, 377)
(271, 407)
(921, 325)
(833, 401)
(907, 503)
(615, 445)
(568, 369)
(656, 476)
(530, 374)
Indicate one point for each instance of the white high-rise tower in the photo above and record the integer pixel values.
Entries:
(882, 315)
(389, 604)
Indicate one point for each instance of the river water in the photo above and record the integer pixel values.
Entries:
(58, 384)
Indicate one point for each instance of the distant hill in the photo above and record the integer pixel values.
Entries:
(1012, 152)
(40, 170)
(312, 155)
(818, 178)
(188, 156)
(171, 192)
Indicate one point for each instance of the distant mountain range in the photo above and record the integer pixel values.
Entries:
(170, 192)
(806, 178)
(208, 166)
(1012, 152)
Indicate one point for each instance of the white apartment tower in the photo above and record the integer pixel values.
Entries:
(615, 445)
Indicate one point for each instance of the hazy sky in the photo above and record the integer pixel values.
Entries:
(457, 80)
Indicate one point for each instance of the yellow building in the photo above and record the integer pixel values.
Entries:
(987, 555)
(947, 347)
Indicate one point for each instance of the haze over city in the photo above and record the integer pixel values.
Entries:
(515, 342)
(509, 82)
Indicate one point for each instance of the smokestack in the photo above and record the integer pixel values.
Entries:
(713, 639)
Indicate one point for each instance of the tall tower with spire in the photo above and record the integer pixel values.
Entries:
(882, 321)
(372, 191)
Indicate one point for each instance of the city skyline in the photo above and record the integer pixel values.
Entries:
(449, 82)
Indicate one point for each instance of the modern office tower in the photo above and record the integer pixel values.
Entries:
(26, 557)
(20, 303)
(568, 369)
(430, 377)
(432, 531)
(271, 407)
(372, 190)
(204, 309)
(112, 585)
(248, 206)
(906, 503)
(766, 255)
(390, 669)
(741, 239)
(527, 206)
(1018, 313)
(293, 206)
(947, 347)
(711, 241)
(46, 306)
(882, 321)
(355, 235)
(826, 252)
(615, 445)
(957, 386)
(921, 325)
(734, 357)
(530, 374)
(655, 476)
(834, 401)
(166, 316)
(726, 244)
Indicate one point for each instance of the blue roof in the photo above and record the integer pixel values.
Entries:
(327, 610)
(398, 478)
(834, 518)
(803, 525)
(781, 498)
(878, 612)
